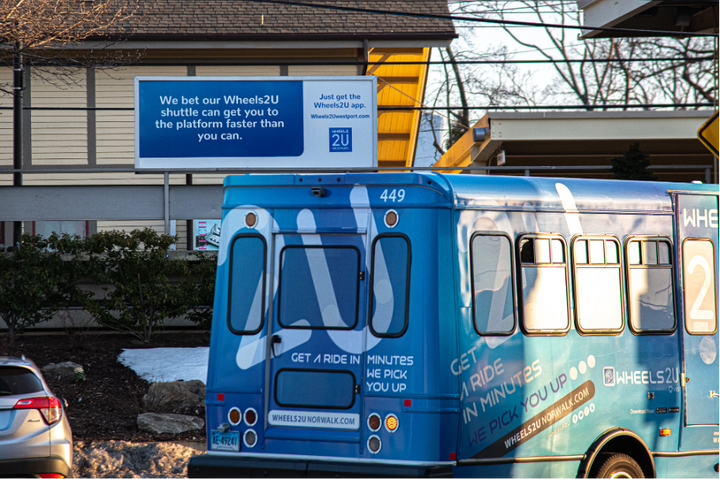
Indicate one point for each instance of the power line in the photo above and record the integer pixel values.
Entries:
(602, 106)
(362, 63)
(424, 108)
(480, 20)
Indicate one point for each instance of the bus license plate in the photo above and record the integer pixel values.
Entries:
(225, 441)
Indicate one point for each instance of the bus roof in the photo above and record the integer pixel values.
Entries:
(497, 192)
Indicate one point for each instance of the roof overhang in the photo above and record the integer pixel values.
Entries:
(697, 16)
(298, 43)
(581, 139)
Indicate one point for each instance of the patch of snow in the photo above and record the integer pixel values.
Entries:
(167, 364)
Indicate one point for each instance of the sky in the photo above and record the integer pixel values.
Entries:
(482, 37)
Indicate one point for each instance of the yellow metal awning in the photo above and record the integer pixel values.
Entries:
(404, 86)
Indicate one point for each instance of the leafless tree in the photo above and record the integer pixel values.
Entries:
(40, 32)
(690, 78)
(45, 34)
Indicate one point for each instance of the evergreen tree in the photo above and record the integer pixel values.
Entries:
(632, 165)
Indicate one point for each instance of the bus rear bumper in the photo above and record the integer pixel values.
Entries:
(223, 466)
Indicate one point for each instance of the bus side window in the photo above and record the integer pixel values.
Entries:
(493, 304)
(598, 284)
(390, 285)
(543, 284)
(650, 285)
(700, 289)
(246, 284)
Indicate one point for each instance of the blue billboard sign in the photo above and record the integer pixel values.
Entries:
(270, 122)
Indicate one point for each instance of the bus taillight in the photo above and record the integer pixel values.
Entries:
(374, 444)
(391, 423)
(374, 422)
(251, 417)
(234, 416)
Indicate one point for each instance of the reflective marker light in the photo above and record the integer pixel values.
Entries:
(665, 431)
(234, 416)
(250, 417)
(250, 438)
(250, 219)
(391, 422)
(391, 218)
(374, 444)
(374, 422)
(408, 403)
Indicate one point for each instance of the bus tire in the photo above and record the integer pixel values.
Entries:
(620, 465)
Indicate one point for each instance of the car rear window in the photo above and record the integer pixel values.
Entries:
(16, 380)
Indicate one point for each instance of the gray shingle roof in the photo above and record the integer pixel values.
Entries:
(255, 19)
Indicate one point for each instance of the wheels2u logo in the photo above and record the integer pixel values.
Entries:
(609, 376)
(340, 140)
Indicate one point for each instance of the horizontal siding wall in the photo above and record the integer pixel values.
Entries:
(157, 225)
(128, 226)
(115, 88)
(237, 71)
(322, 70)
(6, 124)
(50, 179)
(59, 137)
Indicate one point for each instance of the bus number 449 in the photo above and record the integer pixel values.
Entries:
(394, 195)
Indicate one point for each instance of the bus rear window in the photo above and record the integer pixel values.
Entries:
(325, 389)
(650, 285)
(390, 286)
(493, 306)
(247, 284)
(543, 283)
(319, 287)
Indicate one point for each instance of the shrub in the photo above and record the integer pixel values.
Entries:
(140, 295)
(143, 287)
(31, 287)
(199, 288)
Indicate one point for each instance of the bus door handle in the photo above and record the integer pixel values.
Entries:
(275, 340)
(714, 394)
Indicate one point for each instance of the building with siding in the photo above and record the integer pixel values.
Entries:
(82, 130)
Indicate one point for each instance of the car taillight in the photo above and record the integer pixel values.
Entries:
(49, 407)
(52, 475)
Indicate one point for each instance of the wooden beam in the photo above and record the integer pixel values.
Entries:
(393, 136)
(413, 80)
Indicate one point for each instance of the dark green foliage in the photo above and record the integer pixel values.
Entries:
(632, 165)
(72, 249)
(144, 285)
(29, 277)
(199, 288)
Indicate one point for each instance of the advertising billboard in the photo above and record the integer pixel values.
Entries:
(255, 122)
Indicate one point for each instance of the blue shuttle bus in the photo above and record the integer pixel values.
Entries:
(412, 324)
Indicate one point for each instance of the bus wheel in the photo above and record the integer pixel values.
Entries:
(620, 465)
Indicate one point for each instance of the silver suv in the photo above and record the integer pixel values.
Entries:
(35, 437)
